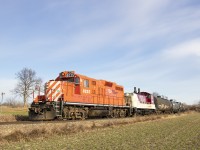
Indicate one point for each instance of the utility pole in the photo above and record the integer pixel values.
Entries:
(2, 94)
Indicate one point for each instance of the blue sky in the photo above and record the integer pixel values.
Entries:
(154, 44)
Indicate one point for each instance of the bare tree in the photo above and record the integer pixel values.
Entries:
(27, 80)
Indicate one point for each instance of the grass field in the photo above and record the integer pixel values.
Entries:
(181, 132)
(9, 114)
(5, 110)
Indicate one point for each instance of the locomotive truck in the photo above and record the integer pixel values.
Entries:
(75, 96)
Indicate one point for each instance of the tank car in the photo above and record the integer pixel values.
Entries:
(175, 106)
(182, 107)
(75, 96)
(163, 105)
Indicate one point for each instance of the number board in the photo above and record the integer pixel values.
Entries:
(70, 74)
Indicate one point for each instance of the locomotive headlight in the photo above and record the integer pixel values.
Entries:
(62, 74)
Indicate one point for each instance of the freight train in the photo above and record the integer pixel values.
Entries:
(75, 96)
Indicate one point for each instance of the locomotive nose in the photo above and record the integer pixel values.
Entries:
(53, 90)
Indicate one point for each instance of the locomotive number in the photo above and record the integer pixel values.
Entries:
(70, 74)
(86, 91)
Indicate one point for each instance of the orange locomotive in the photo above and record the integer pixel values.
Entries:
(72, 96)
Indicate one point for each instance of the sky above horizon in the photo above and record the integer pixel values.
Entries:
(154, 44)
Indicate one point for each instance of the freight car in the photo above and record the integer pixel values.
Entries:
(175, 106)
(163, 105)
(73, 96)
(182, 107)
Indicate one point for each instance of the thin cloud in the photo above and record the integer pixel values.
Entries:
(185, 49)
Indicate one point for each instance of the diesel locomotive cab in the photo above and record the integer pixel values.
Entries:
(73, 78)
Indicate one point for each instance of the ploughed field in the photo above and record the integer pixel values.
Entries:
(149, 132)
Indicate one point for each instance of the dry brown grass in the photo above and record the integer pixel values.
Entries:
(20, 135)
(7, 110)
(9, 114)
(7, 118)
(13, 118)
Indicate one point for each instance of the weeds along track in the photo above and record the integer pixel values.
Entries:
(48, 122)
(13, 118)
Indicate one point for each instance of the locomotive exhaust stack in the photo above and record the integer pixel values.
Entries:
(138, 90)
(135, 90)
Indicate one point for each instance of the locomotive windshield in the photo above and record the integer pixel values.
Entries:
(76, 80)
(69, 79)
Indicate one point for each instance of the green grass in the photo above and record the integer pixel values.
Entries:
(181, 132)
